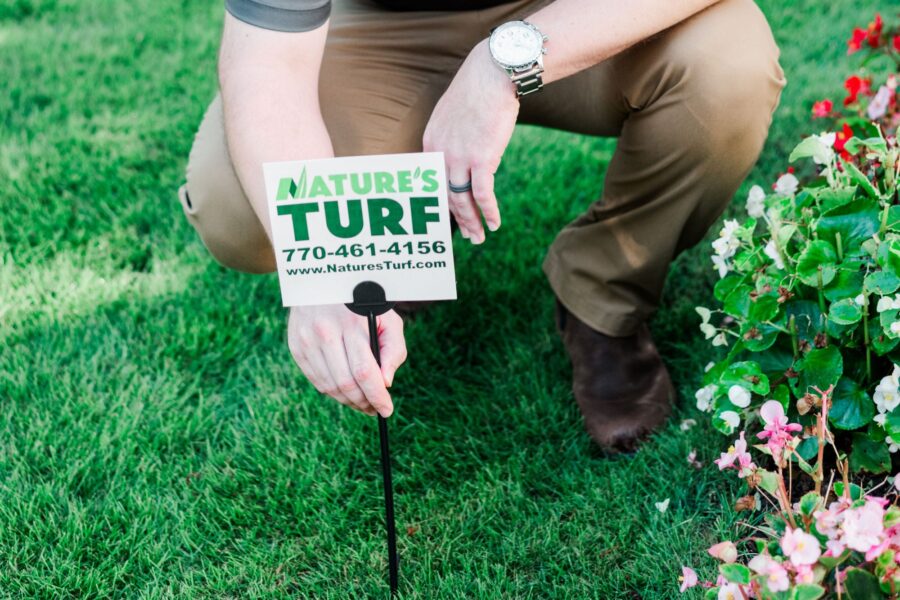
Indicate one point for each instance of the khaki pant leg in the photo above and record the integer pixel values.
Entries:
(214, 201)
(692, 107)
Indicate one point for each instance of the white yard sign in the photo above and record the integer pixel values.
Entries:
(340, 221)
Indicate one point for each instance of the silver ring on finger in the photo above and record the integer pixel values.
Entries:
(459, 189)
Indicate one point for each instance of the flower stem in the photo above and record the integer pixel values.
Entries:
(866, 341)
(884, 219)
(821, 287)
(792, 325)
(840, 246)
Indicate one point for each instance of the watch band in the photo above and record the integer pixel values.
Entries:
(528, 81)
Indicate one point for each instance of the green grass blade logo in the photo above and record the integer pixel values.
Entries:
(290, 189)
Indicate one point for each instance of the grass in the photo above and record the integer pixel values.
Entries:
(156, 440)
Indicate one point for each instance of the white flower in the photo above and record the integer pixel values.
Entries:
(755, 202)
(892, 445)
(721, 265)
(772, 252)
(708, 366)
(662, 506)
(686, 425)
(704, 396)
(727, 243)
(824, 153)
(720, 340)
(739, 396)
(895, 327)
(880, 418)
(860, 300)
(887, 393)
(708, 330)
(879, 104)
(888, 303)
(787, 184)
(731, 418)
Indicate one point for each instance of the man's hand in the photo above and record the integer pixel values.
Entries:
(331, 346)
(471, 124)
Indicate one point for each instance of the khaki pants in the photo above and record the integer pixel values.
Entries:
(691, 108)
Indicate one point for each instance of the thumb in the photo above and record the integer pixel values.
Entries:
(392, 345)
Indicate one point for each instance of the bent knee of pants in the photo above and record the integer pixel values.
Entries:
(215, 204)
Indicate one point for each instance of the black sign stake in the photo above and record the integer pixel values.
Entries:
(369, 301)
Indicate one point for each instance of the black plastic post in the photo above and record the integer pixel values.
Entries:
(369, 300)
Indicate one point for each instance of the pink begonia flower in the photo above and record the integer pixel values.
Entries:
(805, 574)
(730, 591)
(879, 104)
(897, 482)
(800, 547)
(828, 520)
(738, 453)
(688, 578)
(775, 575)
(777, 430)
(863, 527)
(724, 551)
(835, 548)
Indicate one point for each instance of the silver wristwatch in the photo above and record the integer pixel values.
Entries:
(518, 48)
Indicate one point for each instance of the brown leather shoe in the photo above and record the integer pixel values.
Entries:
(620, 383)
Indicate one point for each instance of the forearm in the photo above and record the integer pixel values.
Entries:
(271, 105)
(584, 33)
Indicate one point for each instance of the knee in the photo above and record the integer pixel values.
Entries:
(216, 206)
(731, 77)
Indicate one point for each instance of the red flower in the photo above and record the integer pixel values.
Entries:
(855, 86)
(840, 140)
(896, 43)
(822, 108)
(854, 44)
(873, 36)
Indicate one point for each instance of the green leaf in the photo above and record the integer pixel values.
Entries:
(892, 424)
(746, 374)
(817, 255)
(856, 492)
(808, 448)
(735, 573)
(808, 503)
(845, 312)
(861, 585)
(893, 220)
(768, 481)
(807, 591)
(807, 318)
(821, 368)
(848, 283)
(764, 308)
(855, 222)
(830, 198)
(854, 144)
(869, 455)
(851, 406)
(761, 336)
(881, 342)
(726, 285)
(737, 303)
(881, 283)
(808, 148)
(861, 180)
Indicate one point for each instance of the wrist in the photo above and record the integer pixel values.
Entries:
(495, 77)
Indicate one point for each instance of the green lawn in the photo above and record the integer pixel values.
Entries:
(156, 440)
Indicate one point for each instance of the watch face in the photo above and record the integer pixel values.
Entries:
(516, 44)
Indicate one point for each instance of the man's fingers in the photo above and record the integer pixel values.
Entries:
(483, 192)
(344, 385)
(392, 345)
(367, 374)
(463, 207)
